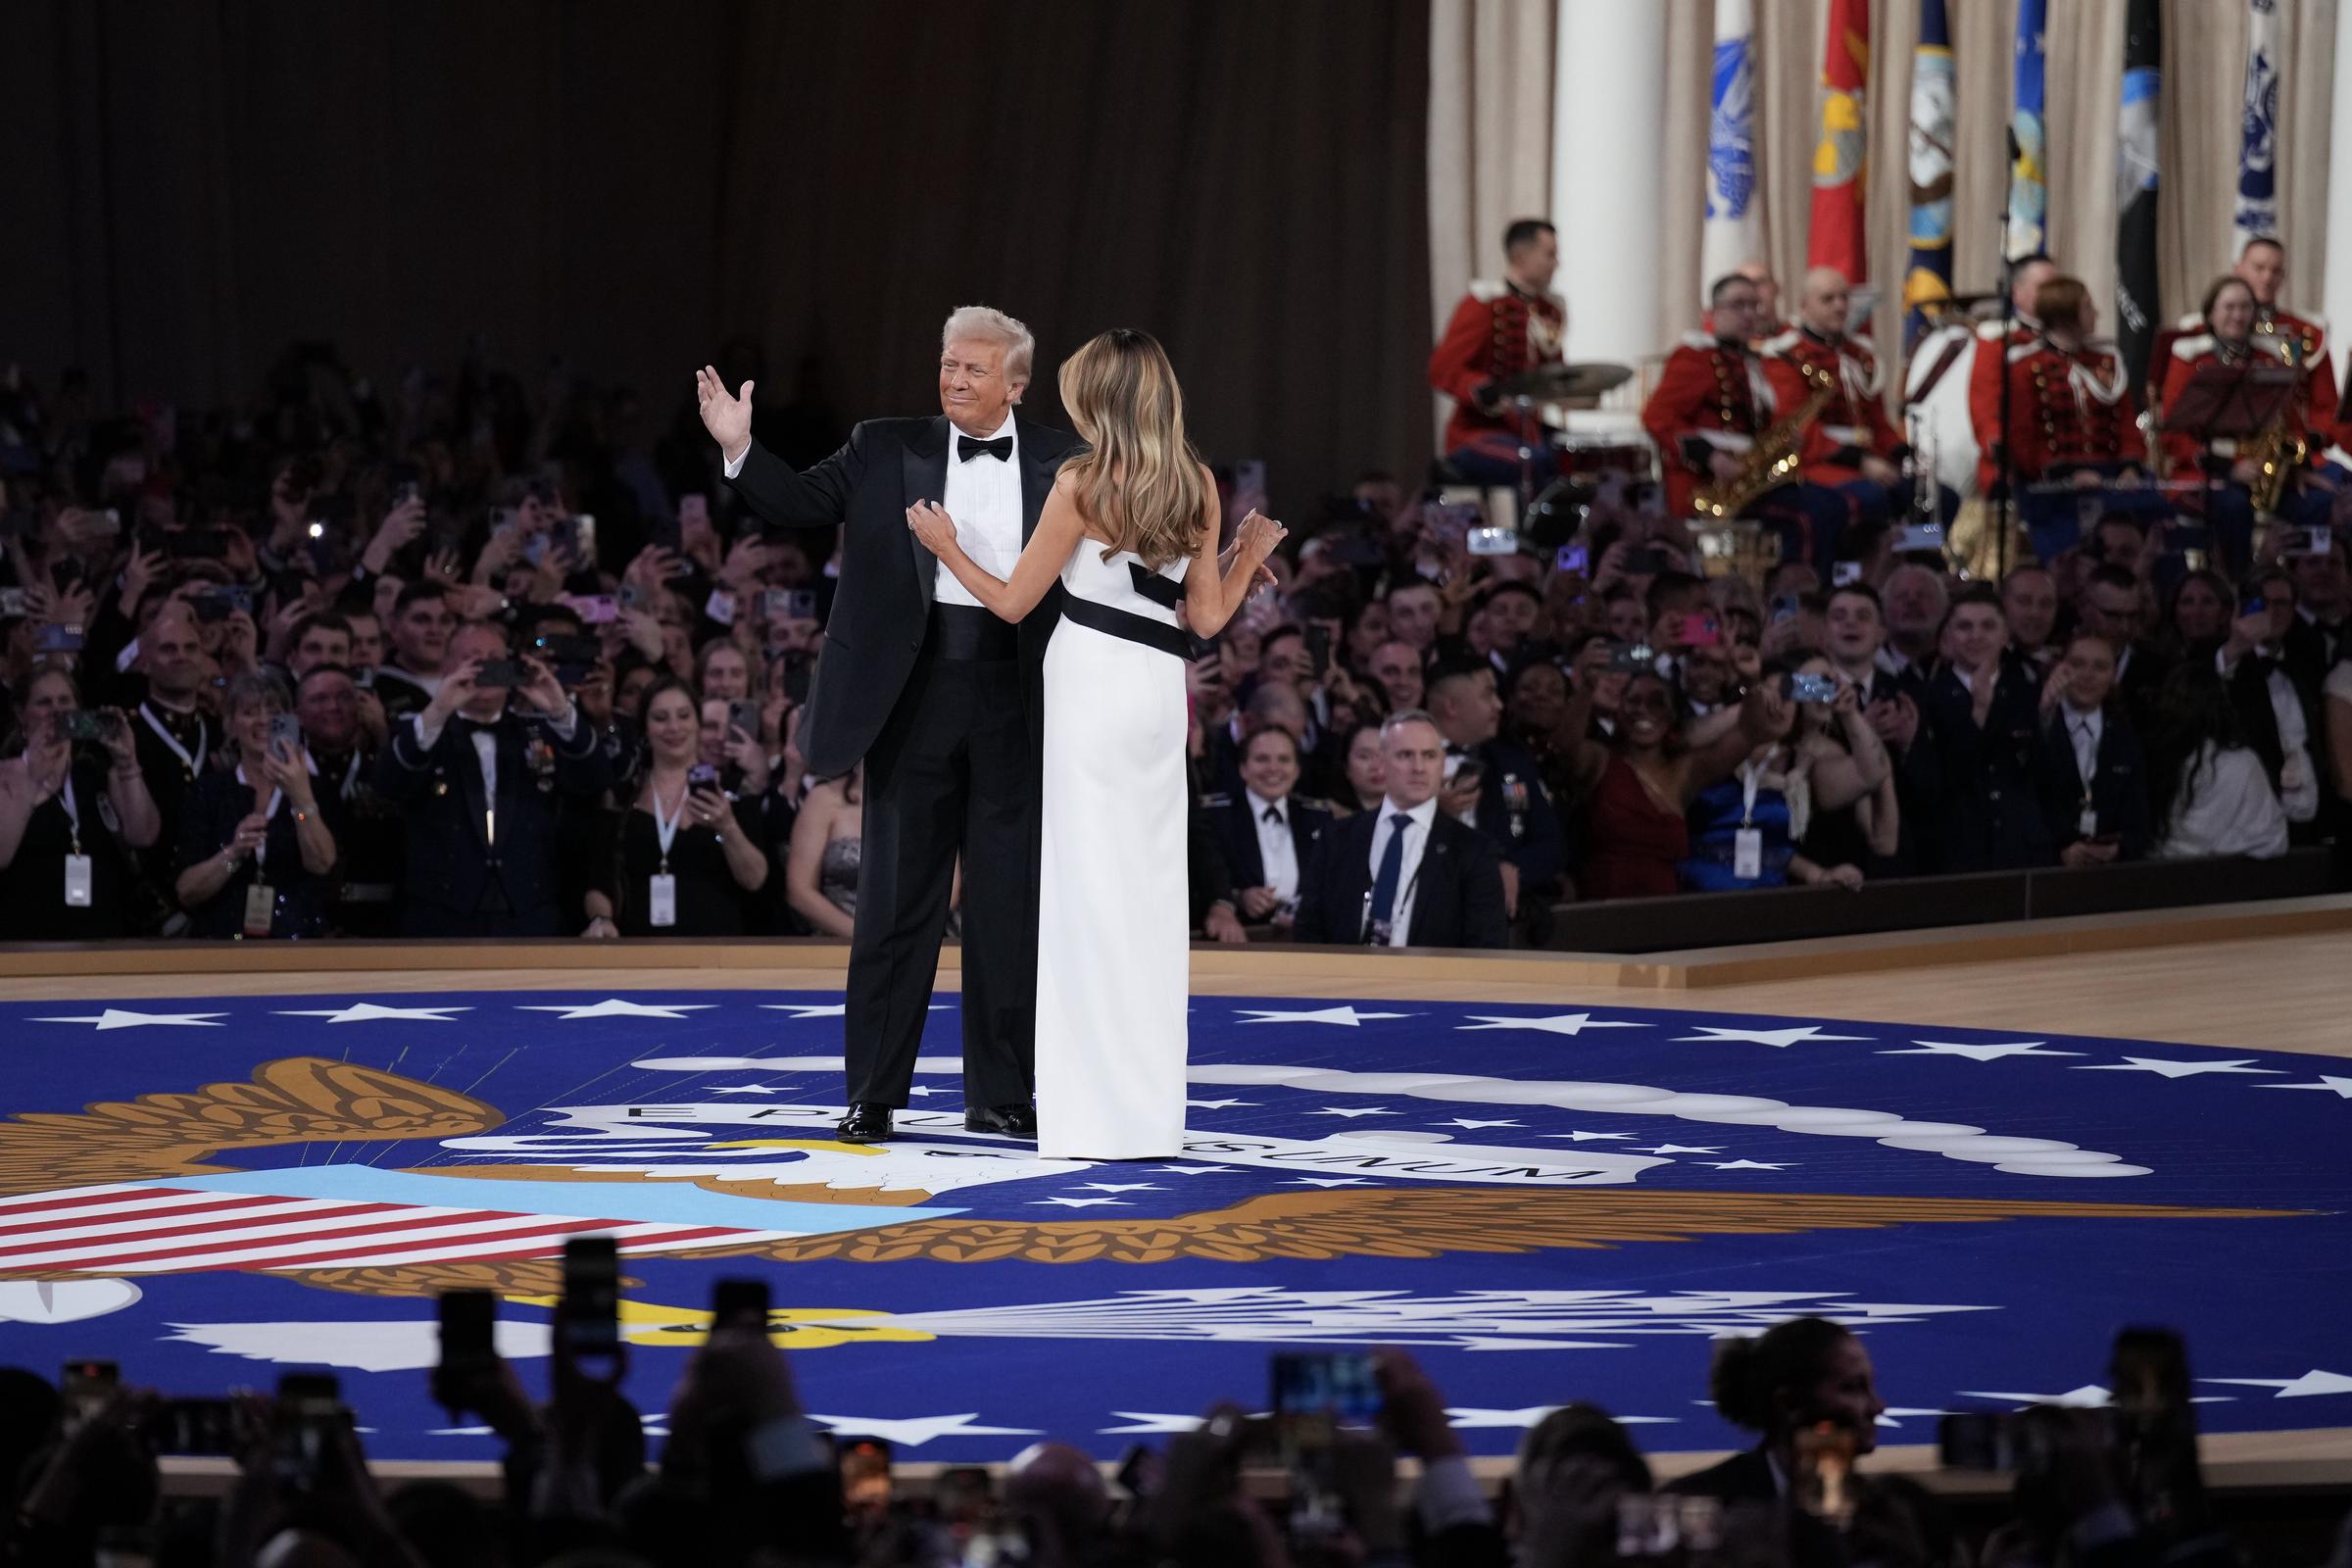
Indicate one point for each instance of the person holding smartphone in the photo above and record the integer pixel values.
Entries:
(74, 808)
(477, 782)
(680, 860)
(257, 851)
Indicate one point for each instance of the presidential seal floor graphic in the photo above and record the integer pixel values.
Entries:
(1544, 1205)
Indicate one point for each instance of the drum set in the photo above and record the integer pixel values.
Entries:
(1564, 469)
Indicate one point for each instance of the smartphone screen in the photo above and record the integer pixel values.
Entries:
(589, 1318)
(467, 1328)
(1314, 1395)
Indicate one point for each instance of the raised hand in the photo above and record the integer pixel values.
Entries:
(933, 526)
(727, 419)
(1258, 537)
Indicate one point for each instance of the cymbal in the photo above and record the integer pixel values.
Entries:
(1551, 383)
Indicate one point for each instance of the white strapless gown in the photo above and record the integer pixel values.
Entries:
(1113, 934)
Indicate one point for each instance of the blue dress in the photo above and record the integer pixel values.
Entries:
(1714, 819)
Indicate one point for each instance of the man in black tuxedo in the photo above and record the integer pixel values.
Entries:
(2094, 773)
(477, 784)
(1406, 874)
(943, 701)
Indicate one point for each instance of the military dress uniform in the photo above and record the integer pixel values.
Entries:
(1498, 330)
(2228, 505)
(2069, 410)
(479, 818)
(1853, 423)
(1714, 396)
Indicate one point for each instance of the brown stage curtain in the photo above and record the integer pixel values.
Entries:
(194, 186)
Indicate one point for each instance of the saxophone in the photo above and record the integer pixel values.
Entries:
(1774, 457)
(2275, 454)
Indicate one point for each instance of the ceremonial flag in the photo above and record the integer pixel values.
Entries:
(2029, 183)
(1733, 234)
(1836, 238)
(2135, 188)
(1930, 279)
(2258, 150)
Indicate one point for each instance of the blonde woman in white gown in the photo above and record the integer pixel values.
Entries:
(1129, 532)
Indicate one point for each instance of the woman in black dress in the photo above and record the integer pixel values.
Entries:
(72, 809)
(257, 854)
(682, 858)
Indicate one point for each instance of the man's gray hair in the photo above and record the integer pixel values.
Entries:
(1403, 716)
(991, 325)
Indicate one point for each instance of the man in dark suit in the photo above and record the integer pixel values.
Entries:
(2111, 602)
(1406, 874)
(2094, 773)
(477, 784)
(944, 703)
(1266, 831)
(1493, 785)
(1983, 808)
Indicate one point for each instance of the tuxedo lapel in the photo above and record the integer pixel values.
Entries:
(1037, 478)
(924, 478)
(466, 764)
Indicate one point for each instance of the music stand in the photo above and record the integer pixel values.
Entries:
(2230, 401)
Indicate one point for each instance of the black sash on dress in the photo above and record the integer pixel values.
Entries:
(1115, 622)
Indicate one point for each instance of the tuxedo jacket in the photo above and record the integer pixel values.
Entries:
(2118, 788)
(1236, 830)
(1457, 900)
(882, 608)
(450, 861)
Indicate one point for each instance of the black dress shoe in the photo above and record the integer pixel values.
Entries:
(866, 1124)
(1013, 1121)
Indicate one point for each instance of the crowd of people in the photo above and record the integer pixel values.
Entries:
(455, 656)
(745, 1477)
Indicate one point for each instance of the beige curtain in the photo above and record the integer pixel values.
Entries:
(1490, 134)
(2204, 64)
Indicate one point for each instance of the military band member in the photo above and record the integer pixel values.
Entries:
(2228, 337)
(2026, 280)
(2073, 420)
(1852, 448)
(1712, 402)
(1501, 328)
(2301, 340)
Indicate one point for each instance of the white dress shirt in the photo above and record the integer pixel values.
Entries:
(1408, 871)
(1276, 851)
(984, 497)
(2084, 729)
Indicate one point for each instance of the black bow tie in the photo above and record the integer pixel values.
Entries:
(1000, 449)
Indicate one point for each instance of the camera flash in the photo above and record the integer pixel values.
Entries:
(317, 530)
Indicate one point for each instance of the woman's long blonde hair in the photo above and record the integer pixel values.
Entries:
(1141, 483)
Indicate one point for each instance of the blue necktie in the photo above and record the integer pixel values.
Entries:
(1391, 872)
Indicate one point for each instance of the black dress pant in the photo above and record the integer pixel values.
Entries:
(953, 770)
